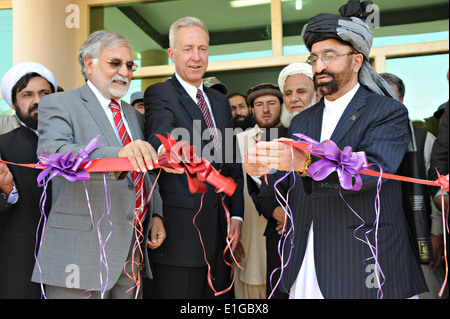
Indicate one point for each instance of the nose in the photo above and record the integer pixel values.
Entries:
(195, 54)
(36, 98)
(265, 108)
(123, 71)
(319, 66)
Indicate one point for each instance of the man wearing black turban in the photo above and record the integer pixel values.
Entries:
(341, 245)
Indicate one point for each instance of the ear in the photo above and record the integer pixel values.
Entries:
(359, 59)
(171, 53)
(88, 65)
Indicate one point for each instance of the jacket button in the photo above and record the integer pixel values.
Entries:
(306, 228)
(130, 186)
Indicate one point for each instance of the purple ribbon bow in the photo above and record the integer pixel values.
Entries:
(346, 163)
(66, 165)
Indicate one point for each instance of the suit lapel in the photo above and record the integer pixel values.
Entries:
(350, 116)
(315, 126)
(186, 101)
(98, 114)
(132, 120)
(217, 110)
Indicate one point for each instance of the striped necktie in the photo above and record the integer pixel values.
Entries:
(208, 119)
(137, 177)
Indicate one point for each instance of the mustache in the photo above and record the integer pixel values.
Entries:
(324, 72)
(119, 78)
(32, 108)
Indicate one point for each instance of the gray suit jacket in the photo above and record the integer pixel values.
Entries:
(69, 121)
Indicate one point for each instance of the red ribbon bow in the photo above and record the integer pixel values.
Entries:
(181, 156)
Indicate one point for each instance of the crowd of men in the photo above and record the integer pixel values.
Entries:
(282, 234)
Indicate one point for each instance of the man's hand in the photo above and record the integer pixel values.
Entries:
(280, 216)
(438, 202)
(6, 180)
(235, 231)
(141, 155)
(266, 155)
(157, 233)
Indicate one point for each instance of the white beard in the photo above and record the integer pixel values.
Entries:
(119, 92)
(286, 116)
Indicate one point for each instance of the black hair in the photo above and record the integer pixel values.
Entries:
(23, 82)
(396, 82)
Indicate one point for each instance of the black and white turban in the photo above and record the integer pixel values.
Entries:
(350, 28)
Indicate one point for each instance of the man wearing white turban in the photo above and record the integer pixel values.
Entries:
(10, 79)
(23, 86)
(296, 84)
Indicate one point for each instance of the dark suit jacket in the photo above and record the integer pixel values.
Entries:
(19, 222)
(169, 109)
(376, 125)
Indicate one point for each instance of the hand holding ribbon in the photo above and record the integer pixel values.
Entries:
(181, 157)
(346, 163)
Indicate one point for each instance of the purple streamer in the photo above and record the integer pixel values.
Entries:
(67, 166)
(284, 203)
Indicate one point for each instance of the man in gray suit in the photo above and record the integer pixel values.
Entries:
(337, 250)
(91, 234)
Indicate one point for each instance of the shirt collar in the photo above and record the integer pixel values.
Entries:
(190, 89)
(344, 100)
(104, 102)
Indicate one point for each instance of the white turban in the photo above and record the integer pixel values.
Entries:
(18, 71)
(294, 68)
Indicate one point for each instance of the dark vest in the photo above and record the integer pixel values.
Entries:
(18, 223)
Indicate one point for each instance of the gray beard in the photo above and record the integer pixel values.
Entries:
(286, 116)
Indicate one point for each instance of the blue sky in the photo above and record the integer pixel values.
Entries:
(425, 77)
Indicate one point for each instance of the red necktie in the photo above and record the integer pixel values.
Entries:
(208, 119)
(137, 177)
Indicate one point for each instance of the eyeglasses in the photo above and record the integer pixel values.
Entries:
(326, 58)
(117, 64)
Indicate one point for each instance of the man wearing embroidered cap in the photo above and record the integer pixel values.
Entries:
(23, 86)
(343, 246)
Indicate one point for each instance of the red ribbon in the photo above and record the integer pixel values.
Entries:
(180, 156)
(442, 181)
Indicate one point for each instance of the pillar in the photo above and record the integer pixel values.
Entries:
(44, 32)
(151, 58)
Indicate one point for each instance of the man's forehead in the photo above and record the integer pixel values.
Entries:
(327, 45)
(266, 97)
(117, 52)
(35, 84)
(298, 78)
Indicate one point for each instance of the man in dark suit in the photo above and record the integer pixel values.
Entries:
(180, 269)
(328, 260)
(23, 86)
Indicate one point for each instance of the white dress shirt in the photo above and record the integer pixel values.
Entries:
(104, 102)
(306, 285)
